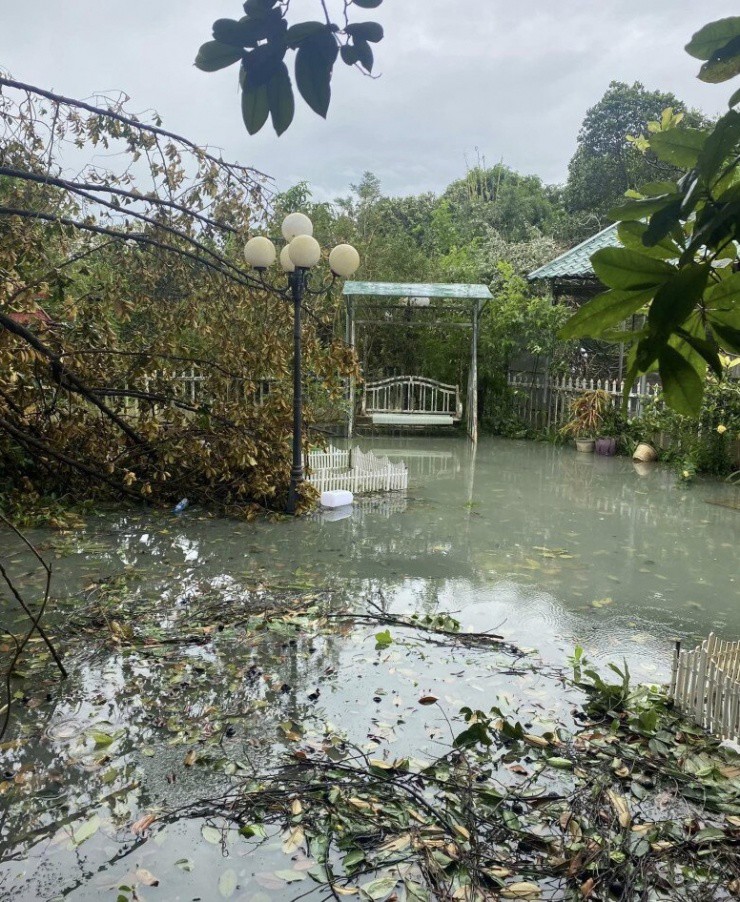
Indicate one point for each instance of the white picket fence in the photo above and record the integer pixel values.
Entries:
(355, 471)
(543, 402)
(705, 685)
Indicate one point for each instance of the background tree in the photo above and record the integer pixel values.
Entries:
(606, 162)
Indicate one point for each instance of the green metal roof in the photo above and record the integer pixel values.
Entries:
(576, 263)
(414, 290)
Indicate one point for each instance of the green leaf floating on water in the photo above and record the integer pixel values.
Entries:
(227, 884)
(291, 876)
(85, 831)
(379, 889)
(383, 640)
(211, 835)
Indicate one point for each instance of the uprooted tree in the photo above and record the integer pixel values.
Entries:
(138, 357)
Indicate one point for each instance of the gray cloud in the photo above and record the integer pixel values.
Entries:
(511, 79)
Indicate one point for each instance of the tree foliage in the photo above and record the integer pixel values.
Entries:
(117, 281)
(680, 254)
(606, 162)
(261, 40)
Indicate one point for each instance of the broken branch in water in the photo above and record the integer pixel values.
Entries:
(35, 619)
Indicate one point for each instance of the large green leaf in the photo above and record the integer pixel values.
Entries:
(662, 223)
(214, 55)
(313, 69)
(605, 310)
(641, 208)
(676, 299)
(620, 268)
(368, 4)
(300, 31)
(255, 107)
(244, 33)
(365, 31)
(713, 37)
(683, 387)
(258, 8)
(678, 146)
(280, 99)
(724, 297)
(631, 233)
(721, 143)
(724, 65)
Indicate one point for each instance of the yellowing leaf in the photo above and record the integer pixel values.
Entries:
(293, 840)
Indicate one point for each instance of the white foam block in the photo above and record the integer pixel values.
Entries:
(338, 498)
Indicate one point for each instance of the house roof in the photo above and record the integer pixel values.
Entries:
(409, 290)
(576, 263)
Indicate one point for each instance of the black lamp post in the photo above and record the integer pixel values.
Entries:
(300, 254)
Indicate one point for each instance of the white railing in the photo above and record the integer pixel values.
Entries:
(412, 394)
(544, 402)
(355, 471)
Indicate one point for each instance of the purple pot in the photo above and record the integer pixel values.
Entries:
(607, 447)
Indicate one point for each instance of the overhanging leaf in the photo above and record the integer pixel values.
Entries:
(678, 146)
(214, 55)
(255, 107)
(605, 310)
(683, 387)
(629, 270)
(677, 298)
(280, 99)
(313, 69)
(713, 37)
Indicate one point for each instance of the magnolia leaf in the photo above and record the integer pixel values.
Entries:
(313, 69)
(724, 65)
(368, 4)
(603, 311)
(678, 146)
(298, 33)
(293, 840)
(621, 268)
(683, 387)
(713, 37)
(521, 890)
(365, 31)
(280, 99)
(255, 107)
(428, 700)
(677, 298)
(214, 55)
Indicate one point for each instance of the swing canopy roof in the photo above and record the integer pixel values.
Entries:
(417, 290)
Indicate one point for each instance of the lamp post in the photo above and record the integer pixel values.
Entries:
(297, 258)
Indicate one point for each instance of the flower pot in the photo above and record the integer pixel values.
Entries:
(607, 447)
(585, 444)
(645, 453)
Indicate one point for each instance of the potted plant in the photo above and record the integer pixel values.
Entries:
(609, 431)
(586, 416)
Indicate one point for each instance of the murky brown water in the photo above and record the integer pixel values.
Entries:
(548, 547)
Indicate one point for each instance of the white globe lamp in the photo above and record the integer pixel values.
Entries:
(260, 252)
(287, 264)
(304, 251)
(296, 224)
(344, 260)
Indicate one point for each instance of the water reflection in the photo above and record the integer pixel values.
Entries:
(547, 546)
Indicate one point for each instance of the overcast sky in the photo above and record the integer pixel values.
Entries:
(512, 78)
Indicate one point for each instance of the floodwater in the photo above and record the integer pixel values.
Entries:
(547, 547)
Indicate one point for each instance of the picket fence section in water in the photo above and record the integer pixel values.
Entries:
(355, 471)
(543, 402)
(705, 685)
